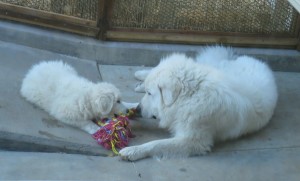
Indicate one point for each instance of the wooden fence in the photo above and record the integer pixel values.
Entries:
(254, 23)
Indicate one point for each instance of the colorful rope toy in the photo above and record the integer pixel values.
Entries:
(115, 132)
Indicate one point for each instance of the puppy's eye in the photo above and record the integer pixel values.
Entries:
(118, 101)
(148, 93)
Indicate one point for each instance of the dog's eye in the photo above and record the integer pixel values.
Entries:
(148, 93)
(118, 101)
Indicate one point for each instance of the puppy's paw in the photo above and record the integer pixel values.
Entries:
(132, 153)
(140, 87)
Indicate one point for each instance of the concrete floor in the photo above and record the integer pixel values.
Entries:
(259, 165)
(270, 154)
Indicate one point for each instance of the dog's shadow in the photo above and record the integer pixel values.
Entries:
(249, 142)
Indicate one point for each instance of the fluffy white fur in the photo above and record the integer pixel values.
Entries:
(219, 96)
(58, 89)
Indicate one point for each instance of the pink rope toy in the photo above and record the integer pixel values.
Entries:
(115, 132)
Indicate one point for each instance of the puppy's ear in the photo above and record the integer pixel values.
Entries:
(169, 89)
(106, 103)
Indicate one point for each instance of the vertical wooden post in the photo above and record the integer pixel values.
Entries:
(104, 14)
(298, 45)
(298, 32)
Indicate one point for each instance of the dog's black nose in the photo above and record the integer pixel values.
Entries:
(154, 117)
(138, 109)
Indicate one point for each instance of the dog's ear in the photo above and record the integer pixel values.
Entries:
(106, 103)
(169, 89)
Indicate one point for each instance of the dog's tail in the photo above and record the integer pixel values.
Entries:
(215, 53)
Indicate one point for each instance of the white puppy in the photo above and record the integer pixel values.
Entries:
(218, 97)
(57, 88)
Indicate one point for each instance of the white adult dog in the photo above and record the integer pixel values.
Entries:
(220, 96)
(57, 88)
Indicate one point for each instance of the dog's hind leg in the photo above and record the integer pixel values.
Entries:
(140, 87)
(142, 74)
(130, 105)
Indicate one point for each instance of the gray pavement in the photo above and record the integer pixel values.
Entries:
(270, 154)
(254, 165)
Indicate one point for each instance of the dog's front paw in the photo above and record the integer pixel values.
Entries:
(132, 153)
